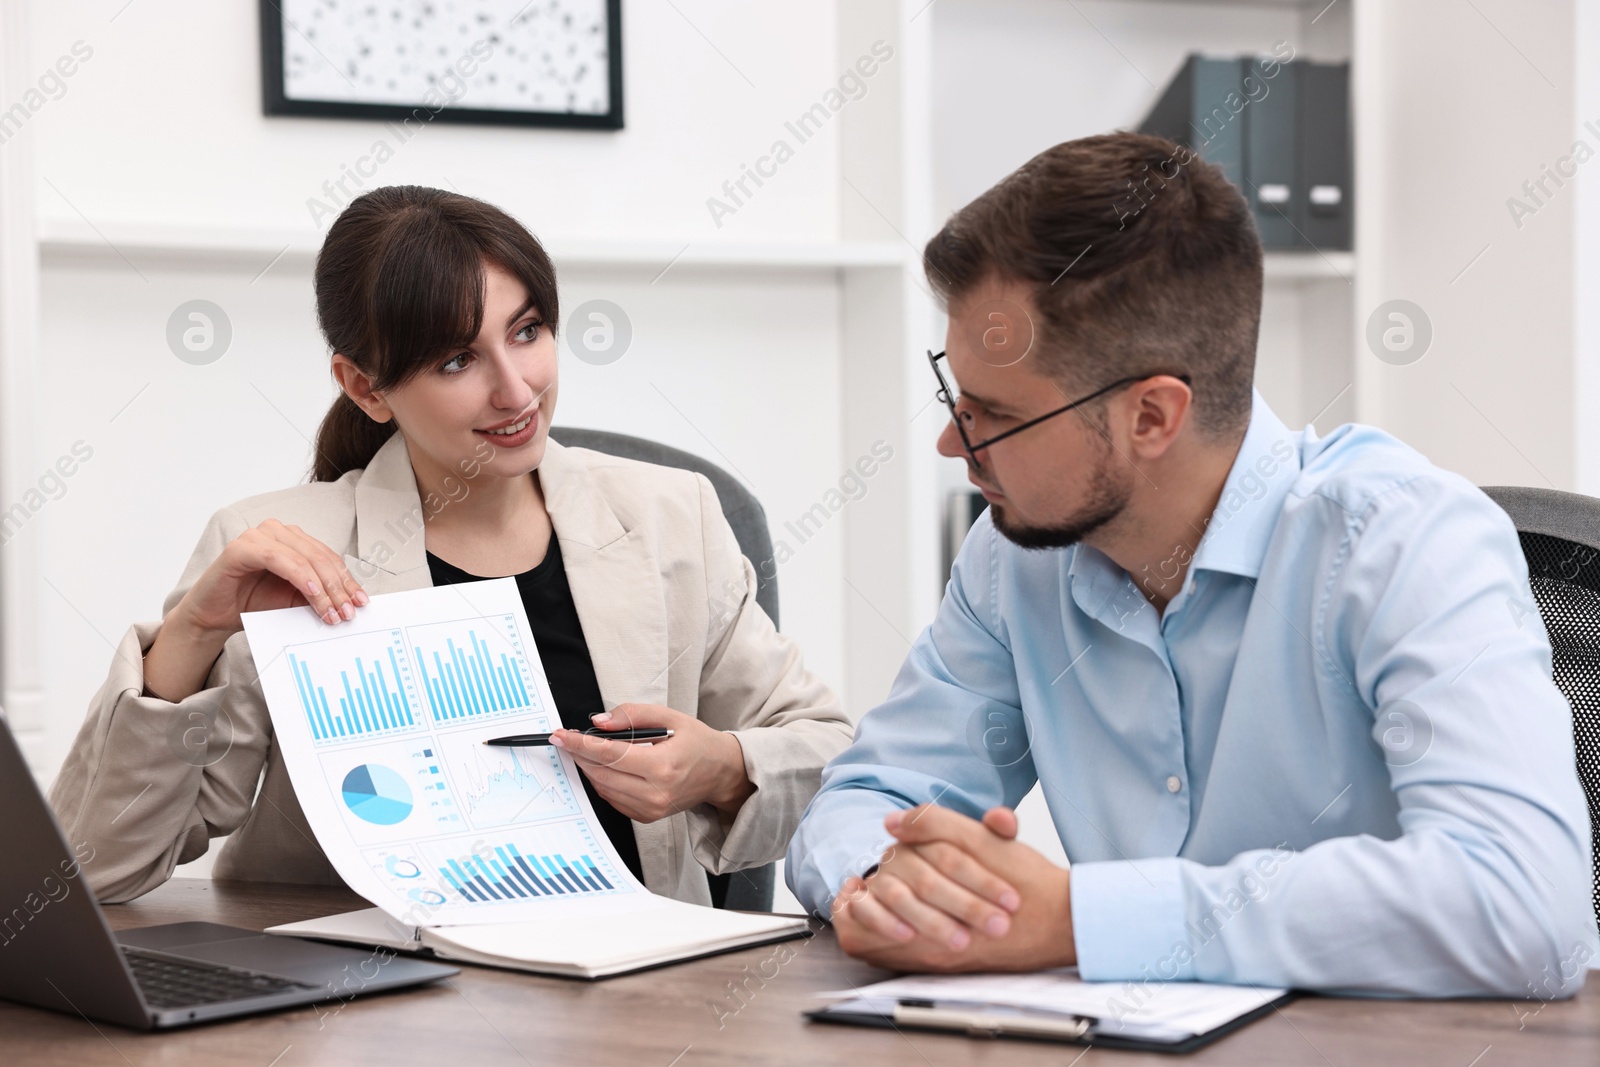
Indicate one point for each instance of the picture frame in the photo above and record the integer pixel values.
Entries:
(547, 63)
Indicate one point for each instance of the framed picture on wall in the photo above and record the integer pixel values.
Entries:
(494, 62)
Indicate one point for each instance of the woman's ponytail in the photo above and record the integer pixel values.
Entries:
(347, 439)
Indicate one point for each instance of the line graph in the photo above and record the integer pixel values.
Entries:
(497, 786)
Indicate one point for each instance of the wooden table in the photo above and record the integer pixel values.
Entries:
(690, 1014)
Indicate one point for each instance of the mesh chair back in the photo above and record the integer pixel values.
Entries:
(748, 890)
(1560, 534)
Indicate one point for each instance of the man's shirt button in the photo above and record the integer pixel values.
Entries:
(1174, 783)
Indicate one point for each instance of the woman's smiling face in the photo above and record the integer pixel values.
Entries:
(458, 409)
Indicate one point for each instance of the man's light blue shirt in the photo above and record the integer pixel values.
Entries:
(1337, 760)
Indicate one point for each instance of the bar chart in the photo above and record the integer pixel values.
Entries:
(507, 875)
(473, 668)
(552, 860)
(372, 692)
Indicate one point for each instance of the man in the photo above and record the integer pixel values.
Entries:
(1288, 697)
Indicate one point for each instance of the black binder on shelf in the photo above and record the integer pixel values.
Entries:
(1325, 155)
(1271, 182)
(1283, 138)
(1193, 111)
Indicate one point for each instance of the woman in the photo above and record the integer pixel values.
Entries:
(433, 467)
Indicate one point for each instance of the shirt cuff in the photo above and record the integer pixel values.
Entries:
(1127, 920)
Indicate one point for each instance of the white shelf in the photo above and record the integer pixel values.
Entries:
(63, 241)
(1309, 266)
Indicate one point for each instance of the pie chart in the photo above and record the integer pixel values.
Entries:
(376, 794)
(401, 868)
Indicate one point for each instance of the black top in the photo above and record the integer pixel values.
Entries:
(553, 617)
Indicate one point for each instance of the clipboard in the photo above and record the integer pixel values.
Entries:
(982, 1022)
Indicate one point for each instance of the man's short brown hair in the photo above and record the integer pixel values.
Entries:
(1143, 259)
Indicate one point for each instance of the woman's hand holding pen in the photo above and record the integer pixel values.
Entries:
(269, 566)
(646, 782)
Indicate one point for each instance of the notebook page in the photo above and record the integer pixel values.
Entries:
(669, 928)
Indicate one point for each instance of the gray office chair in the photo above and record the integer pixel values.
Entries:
(1560, 535)
(748, 890)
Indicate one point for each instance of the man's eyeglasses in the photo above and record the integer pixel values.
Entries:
(961, 418)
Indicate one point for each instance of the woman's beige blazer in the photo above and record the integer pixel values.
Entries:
(669, 612)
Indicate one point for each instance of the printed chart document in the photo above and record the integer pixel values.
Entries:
(381, 721)
(1056, 1005)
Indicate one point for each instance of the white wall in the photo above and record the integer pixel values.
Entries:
(164, 125)
(1017, 76)
(1586, 252)
(1462, 104)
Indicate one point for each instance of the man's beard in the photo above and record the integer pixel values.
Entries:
(1106, 498)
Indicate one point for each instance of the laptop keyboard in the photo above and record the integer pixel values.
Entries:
(169, 982)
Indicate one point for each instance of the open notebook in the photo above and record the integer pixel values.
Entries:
(611, 944)
(1056, 1005)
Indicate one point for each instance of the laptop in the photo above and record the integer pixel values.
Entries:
(57, 952)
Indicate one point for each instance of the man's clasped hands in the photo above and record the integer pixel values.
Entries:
(956, 894)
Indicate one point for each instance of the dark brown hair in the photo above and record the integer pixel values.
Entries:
(1142, 258)
(400, 284)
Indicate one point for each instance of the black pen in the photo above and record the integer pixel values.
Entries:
(651, 734)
